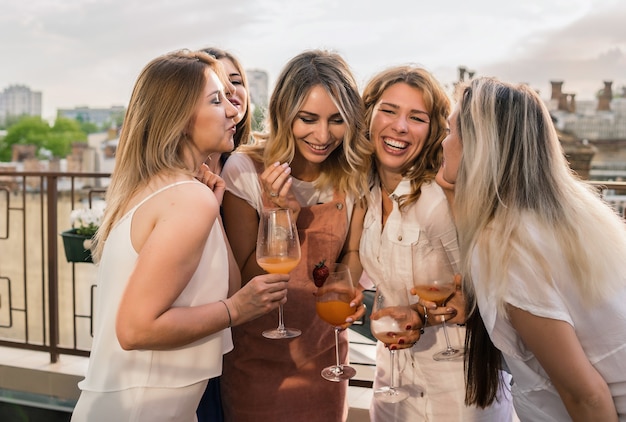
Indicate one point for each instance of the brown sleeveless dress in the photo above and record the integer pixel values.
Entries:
(279, 380)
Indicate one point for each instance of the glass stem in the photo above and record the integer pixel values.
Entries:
(281, 323)
(337, 349)
(392, 371)
(445, 333)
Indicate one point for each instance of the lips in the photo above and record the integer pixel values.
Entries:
(395, 144)
(317, 148)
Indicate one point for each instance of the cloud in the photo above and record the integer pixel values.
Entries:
(89, 52)
(582, 54)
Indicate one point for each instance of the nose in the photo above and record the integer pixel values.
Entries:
(231, 110)
(400, 125)
(322, 132)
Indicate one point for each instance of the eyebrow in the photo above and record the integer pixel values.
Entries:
(392, 105)
(317, 115)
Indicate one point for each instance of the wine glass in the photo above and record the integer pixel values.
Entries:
(390, 315)
(332, 304)
(278, 252)
(433, 278)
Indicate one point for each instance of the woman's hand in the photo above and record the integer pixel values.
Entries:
(276, 183)
(453, 311)
(359, 309)
(259, 296)
(413, 325)
(212, 180)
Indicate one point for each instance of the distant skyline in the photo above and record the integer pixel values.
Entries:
(90, 52)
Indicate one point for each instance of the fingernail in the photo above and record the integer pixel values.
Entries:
(401, 341)
(288, 170)
(276, 164)
(285, 165)
(408, 327)
(349, 320)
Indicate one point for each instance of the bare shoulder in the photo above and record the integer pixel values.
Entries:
(179, 204)
(188, 199)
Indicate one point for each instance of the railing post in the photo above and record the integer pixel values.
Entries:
(53, 267)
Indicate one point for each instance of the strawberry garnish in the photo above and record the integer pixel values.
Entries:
(320, 273)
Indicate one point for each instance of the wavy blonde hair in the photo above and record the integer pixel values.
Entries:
(347, 167)
(427, 163)
(153, 141)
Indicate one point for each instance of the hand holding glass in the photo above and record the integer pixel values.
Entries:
(433, 278)
(332, 303)
(391, 314)
(278, 252)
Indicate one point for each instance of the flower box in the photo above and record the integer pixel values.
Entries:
(77, 246)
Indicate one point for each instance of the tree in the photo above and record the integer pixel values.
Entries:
(258, 119)
(33, 130)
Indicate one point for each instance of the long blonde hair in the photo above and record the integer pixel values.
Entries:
(513, 169)
(346, 168)
(153, 139)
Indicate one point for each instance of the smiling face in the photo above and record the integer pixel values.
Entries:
(399, 128)
(213, 125)
(452, 149)
(318, 128)
(239, 96)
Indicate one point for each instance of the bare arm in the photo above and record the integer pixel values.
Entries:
(584, 392)
(146, 317)
(350, 251)
(241, 223)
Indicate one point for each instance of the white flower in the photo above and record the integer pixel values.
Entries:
(87, 220)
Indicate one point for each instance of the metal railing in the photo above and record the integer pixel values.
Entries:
(46, 303)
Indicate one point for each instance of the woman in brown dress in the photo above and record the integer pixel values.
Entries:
(314, 160)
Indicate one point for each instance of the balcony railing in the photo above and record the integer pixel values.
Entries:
(46, 303)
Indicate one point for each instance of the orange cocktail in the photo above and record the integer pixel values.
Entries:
(278, 264)
(433, 293)
(334, 312)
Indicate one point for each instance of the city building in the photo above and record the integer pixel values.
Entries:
(97, 116)
(598, 123)
(258, 82)
(19, 100)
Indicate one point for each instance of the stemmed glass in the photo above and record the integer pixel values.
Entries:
(390, 315)
(433, 279)
(278, 252)
(332, 303)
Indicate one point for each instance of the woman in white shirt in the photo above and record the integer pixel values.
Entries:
(406, 111)
(543, 257)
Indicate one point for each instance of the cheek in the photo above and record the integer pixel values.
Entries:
(338, 131)
(299, 129)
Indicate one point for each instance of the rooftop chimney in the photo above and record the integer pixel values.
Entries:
(556, 90)
(605, 97)
(563, 106)
(572, 103)
(462, 70)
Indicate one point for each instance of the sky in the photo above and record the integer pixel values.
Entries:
(90, 52)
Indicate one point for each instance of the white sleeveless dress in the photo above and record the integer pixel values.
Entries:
(149, 385)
